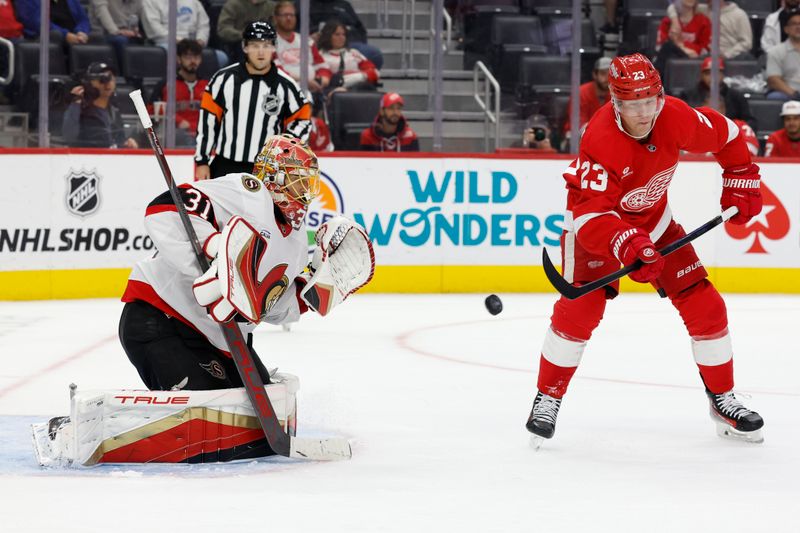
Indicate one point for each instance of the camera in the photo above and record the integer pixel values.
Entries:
(539, 134)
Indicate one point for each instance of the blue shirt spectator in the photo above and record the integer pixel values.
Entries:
(66, 17)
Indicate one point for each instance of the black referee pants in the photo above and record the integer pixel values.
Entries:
(221, 166)
(169, 354)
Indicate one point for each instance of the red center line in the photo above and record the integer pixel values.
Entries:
(55, 366)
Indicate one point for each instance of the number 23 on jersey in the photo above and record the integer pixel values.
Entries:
(592, 175)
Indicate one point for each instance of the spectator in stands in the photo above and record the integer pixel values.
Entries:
(68, 19)
(773, 33)
(234, 17)
(786, 142)
(390, 132)
(735, 32)
(691, 37)
(735, 102)
(351, 70)
(10, 27)
(593, 94)
(536, 135)
(322, 11)
(783, 62)
(188, 91)
(119, 20)
(91, 120)
(192, 23)
(287, 49)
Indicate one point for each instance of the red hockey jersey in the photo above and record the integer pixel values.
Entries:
(618, 182)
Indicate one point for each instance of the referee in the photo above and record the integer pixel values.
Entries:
(243, 104)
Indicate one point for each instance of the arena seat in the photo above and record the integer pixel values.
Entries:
(350, 113)
(83, 55)
(768, 115)
(681, 74)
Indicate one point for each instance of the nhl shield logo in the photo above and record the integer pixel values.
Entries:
(83, 192)
(272, 104)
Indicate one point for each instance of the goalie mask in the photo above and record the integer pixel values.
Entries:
(290, 172)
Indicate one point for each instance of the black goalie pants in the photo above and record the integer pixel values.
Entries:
(169, 355)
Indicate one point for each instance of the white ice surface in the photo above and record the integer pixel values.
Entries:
(433, 392)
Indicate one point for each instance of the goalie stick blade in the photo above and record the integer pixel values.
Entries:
(333, 449)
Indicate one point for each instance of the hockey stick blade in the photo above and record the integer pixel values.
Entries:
(571, 292)
(278, 440)
(332, 449)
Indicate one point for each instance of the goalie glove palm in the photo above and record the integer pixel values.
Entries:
(343, 262)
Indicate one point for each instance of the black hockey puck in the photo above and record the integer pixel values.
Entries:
(493, 304)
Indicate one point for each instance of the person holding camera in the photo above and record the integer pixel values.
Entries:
(536, 135)
(92, 120)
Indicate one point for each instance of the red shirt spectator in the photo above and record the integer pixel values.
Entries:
(390, 132)
(786, 142)
(590, 94)
(10, 27)
(694, 34)
(188, 87)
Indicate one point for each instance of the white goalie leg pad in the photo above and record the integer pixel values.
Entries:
(343, 262)
(135, 426)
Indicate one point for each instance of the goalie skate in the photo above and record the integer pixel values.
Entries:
(733, 420)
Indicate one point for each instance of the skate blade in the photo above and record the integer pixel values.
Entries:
(536, 442)
(727, 432)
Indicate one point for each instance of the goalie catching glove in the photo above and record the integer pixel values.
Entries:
(343, 262)
(231, 285)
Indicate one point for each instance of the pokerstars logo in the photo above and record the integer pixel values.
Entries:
(771, 223)
(327, 205)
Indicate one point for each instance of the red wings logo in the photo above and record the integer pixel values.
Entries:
(772, 223)
(647, 196)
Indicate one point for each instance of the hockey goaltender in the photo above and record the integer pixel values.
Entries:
(252, 228)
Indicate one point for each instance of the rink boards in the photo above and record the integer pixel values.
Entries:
(71, 221)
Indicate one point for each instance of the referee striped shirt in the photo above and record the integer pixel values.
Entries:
(240, 110)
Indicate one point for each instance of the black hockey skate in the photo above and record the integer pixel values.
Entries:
(542, 420)
(733, 419)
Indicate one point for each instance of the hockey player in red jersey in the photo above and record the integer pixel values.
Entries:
(253, 228)
(617, 212)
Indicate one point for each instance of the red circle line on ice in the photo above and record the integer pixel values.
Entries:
(405, 341)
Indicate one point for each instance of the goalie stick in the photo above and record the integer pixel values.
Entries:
(571, 292)
(283, 444)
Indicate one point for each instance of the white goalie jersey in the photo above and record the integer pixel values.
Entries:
(165, 280)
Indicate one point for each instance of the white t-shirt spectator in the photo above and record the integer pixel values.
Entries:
(357, 68)
(192, 22)
(287, 57)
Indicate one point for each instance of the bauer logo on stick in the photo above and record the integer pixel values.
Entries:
(83, 192)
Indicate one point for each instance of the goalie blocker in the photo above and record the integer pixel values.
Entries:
(135, 426)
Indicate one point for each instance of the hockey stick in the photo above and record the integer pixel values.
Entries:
(572, 292)
(279, 440)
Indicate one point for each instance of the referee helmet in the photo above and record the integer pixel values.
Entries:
(259, 31)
